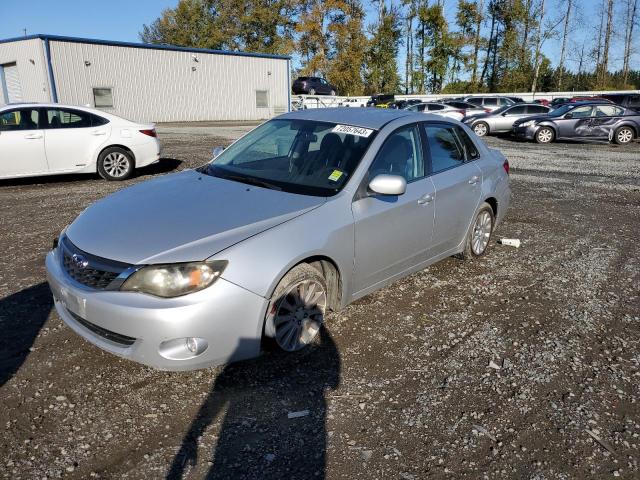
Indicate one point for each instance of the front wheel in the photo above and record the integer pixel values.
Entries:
(623, 135)
(481, 129)
(312, 91)
(297, 309)
(478, 237)
(115, 163)
(545, 135)
(333, 93)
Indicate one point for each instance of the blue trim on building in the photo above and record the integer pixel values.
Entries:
(3, 84)
(52, 80)
(173, 48)
(288, 85)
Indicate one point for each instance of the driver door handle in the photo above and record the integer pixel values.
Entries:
(33, 136)
(473, 180)
(426, 198)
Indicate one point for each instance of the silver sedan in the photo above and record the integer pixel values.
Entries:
(502, 119)
(305, 214)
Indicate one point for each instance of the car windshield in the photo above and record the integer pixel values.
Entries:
(297, 156)
(558, 112)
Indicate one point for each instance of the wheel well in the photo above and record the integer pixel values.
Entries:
(331, 274)
(632, 127)
(122, 147)
(494, 205)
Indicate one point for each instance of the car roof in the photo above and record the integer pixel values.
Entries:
(374, 118)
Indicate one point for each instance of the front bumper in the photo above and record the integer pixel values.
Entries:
(134, 325)
(524, 132)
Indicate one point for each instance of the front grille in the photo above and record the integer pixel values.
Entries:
(89, 270)
(114, 337)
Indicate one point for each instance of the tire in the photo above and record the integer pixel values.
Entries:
(481, 129)
(115, 164)
(623, 135)
(290, 320)
(333, 93)
(312, 91)
(479, 234)
(545, 135)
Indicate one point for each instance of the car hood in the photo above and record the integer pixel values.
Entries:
(182, 217)
(475, 116)
(536, 118)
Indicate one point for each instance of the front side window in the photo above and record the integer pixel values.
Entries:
(297, 156)
(401, 154)
(581, 112)
(67, 119)
(435, 106)
(23, 119)
(537, 109)
(445, 149)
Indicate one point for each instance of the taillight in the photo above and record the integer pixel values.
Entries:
(151, 132)
(487, 110)
(505, 165)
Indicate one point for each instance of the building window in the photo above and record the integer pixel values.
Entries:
(262, 98)
(102, 98)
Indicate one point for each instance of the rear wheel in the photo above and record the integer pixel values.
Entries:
(481, 129)
(545, 135)
(115, 163)
(312, 91)
(297, 309)
(478, 237)
(333, 93)
(623, 135)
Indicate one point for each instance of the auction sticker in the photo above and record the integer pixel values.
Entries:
(351, 130)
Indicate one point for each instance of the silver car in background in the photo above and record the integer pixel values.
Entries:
(305, 214)
(502, 119)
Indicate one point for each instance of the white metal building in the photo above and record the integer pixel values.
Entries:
(144, 82)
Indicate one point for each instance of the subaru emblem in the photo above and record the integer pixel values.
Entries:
(79, 261)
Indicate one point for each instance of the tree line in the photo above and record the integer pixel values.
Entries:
(486, 46)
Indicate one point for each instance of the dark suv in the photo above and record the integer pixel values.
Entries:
(313, 86)
(627, 100)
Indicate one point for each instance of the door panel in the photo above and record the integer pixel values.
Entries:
(393, 232)
(70, 140)
(458, 185)
(578, 125)
(21, 144)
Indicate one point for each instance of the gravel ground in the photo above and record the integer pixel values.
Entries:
(523, 364)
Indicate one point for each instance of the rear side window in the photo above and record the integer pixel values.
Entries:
(15, 120)
(519, 110)
(608, 111)
(445, 149)
(491, 102)
(537, 109)
(634, 102)
(67, 119)
(97, 120)
(475, 101)
(470, 148)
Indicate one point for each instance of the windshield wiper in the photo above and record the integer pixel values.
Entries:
(250, 180)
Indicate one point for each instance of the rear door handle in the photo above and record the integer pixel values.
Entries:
(98, 132)
(473, 180)
(427, 198)
(33, 136)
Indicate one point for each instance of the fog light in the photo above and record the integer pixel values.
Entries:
(192, 344)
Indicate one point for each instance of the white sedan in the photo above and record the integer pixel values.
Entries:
(50, 139)
(437, 109)
(353, 102)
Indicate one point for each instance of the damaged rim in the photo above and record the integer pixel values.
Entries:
(299, 315)
(481, 232)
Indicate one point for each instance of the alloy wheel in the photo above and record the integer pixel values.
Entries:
(545, 135)
(299, 315)
(480, 129)
(625, 135)
(481, 232)
(116, 164)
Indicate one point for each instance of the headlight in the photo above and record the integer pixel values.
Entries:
(174, 280)
(527, 124)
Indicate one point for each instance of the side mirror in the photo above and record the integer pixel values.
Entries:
(388, 184)
(216, 151)
(569, 115)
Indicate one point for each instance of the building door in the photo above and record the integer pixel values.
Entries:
(10, 83)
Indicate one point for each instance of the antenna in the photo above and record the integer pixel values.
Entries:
(25, 31)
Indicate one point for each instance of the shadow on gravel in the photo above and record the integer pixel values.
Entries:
(257, 439)
(164, 165)
(21, 317)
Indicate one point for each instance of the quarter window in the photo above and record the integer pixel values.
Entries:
(537, 109)
(519, 110)
(401, 154)
(24, 119)
(470, 148)
(445, 149)
(608, 111)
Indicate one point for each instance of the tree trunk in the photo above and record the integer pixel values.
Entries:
(564, 44)
(632, 7)
(476, 42)
(536, 60)
(607, 42)
(525, 38)
(489, 46)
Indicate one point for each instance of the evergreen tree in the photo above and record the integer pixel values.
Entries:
(381, 70)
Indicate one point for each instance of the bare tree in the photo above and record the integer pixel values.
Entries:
(631, 11)
(476, 40)
(565, 33)
(543, 33)
(607, 42)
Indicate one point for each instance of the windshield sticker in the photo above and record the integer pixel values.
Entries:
(351, 130)
(335, 175)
